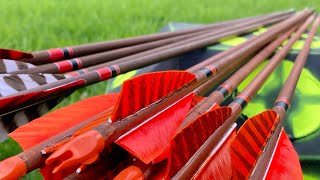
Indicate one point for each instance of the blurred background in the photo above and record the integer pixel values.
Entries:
(32, 25)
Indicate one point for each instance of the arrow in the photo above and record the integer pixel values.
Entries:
(122, 116)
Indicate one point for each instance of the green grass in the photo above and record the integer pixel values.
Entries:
(32, 25)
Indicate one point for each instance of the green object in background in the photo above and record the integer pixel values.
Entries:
(118, 80)
(260, 31)
(234, 41)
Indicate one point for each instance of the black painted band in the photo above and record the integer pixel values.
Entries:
(207, 72)
(74, 63)
(242, 102)
(113, 71)
(66, 53)
(282, 104)
(224, 91)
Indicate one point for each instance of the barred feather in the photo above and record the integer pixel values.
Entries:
(143, 90)
(8, 65)
(251, 139)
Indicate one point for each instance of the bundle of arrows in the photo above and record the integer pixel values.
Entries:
(160, 125)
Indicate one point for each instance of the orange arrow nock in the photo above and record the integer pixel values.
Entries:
(131, 172)
(12, 168)
(81, 150)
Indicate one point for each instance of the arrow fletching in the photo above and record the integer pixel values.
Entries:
(150, 139)
(8, 66)
(217, 165)
(14, 54)
(190, 139)
(250, 141)
(285, 162)
(143, 90)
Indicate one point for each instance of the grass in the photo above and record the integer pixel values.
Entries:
(32, 25)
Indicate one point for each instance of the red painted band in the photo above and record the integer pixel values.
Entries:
(70, 51)
(73, 73)
(55, 54)
(213, 69)
(227, 86)
(64, 66)
(104, 73)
